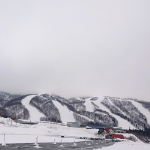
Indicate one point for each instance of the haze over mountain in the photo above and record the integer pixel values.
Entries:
(75, 48)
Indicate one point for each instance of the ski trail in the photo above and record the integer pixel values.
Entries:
(65, 114)
(143, 110)
(34, 113)
(88, 105)
(121, 122)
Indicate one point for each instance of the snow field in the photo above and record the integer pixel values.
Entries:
(35, 115)
(127, 146)
(46, 132)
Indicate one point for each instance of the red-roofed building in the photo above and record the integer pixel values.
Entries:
(114, 136)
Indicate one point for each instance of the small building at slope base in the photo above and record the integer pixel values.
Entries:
(114, 136)
(73, 124)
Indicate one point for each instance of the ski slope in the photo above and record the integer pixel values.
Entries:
(116, 106)
(65, 114)
(88, 105)
(143, 110)
(121, 122)
(35, 115)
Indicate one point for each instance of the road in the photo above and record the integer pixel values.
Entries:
(86, 145)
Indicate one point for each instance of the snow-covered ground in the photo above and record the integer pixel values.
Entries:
(65, 114)
(46, 132)
(128, 146)
(35, 115)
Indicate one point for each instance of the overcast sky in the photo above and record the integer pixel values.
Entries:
(75, 47)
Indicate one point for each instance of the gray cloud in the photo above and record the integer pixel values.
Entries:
(75, 48)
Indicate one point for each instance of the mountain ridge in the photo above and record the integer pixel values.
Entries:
(113, 111)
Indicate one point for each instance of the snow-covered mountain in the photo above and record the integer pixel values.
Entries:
(5, 97)
(126, 113)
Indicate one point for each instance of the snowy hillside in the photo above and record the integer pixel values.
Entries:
(111, 111)
(142, 110)
(121, 122)
(5, 97)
